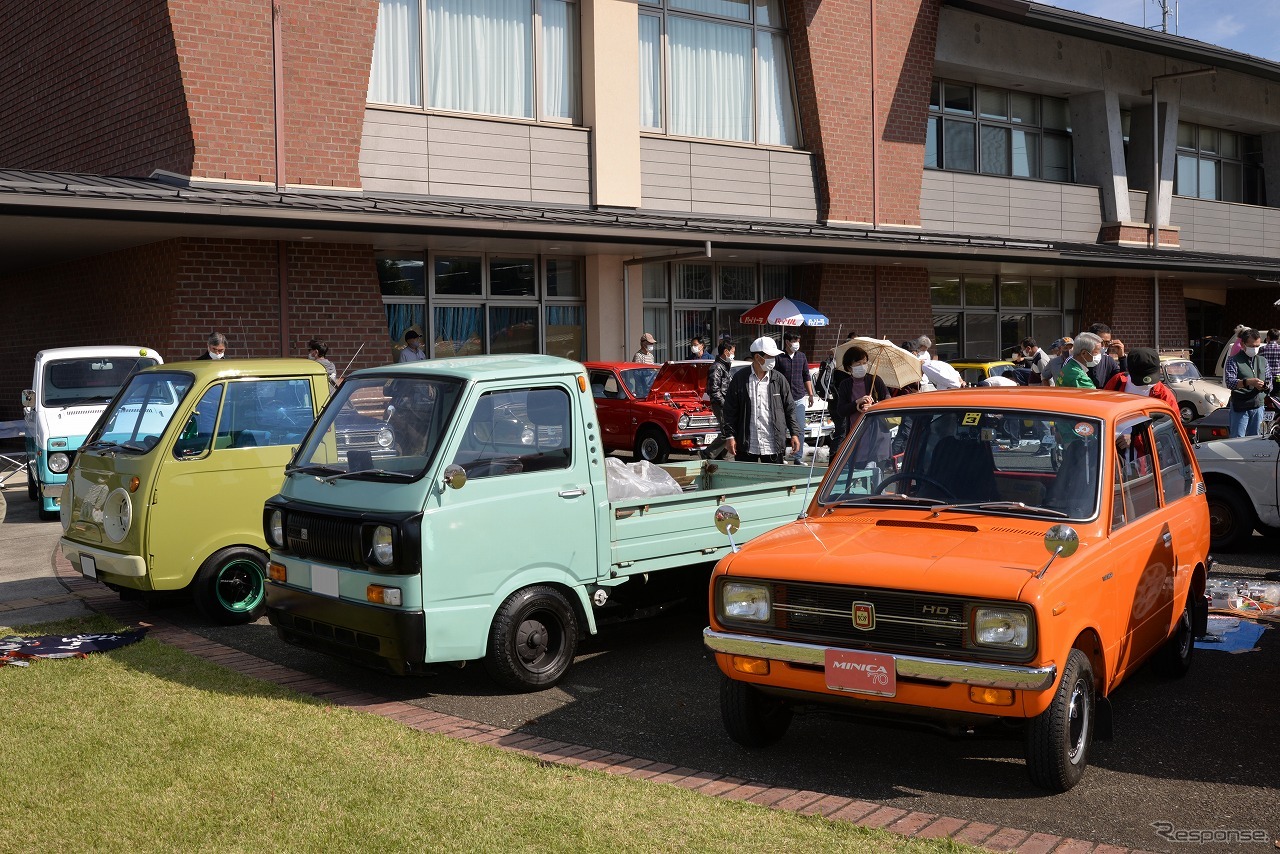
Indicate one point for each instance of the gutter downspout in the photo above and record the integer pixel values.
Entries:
(875, 129)
(277, 90)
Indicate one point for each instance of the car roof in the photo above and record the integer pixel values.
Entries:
(89, 352)
(1076, 401)
(620, 366)
(480, 368)
(205, 369)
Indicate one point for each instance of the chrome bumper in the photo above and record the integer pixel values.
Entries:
(132, 566)
(908, 666)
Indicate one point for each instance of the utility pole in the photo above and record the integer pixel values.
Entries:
(1168, 9)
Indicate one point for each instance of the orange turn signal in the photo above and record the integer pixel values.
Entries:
(133, 484)
(277, 572)
(582, 383)
(380, 595)
(991, 696)
(754, 666)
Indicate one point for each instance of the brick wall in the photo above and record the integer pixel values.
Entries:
(847, 295)
(334, 296)
(1127, 305)
(92, 86)
(831, 50)
(1252, 307)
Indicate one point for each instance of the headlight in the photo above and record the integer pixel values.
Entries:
(739, 601)
(117, 515)
(385, 437)
(59, 462)
(383, 545)
(275, 529)
(1212, 400)
(684, 422)
(1006, 628)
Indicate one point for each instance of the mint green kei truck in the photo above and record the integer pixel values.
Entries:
(481, 527)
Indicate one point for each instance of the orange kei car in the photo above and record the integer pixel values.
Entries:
(949, 573)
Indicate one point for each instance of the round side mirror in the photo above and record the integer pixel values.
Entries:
(1061, 540)
(455, 477)
(727, 520)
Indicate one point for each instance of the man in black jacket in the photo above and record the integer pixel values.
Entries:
(717, 388)
(758, 415)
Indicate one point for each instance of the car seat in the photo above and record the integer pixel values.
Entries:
(964, 468)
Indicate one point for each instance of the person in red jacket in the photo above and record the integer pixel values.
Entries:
(1143, 377)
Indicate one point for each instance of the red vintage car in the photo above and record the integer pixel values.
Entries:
(653, 410)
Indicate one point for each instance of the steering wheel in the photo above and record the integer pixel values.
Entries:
(918, 478)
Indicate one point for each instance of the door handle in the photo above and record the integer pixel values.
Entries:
(1168, 539)
(572, 493)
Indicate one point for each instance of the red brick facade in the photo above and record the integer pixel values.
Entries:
(1127, 305)
(849, 295)
(832, 50)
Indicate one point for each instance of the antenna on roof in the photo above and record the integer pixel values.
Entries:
(1168, 8)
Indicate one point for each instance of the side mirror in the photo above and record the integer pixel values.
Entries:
(728, 522)
(29, 398)
(455, 477)
(1059, 540)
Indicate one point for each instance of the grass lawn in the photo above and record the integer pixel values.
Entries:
(148, 748)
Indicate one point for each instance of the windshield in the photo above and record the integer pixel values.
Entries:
(374, 427)
(88, 380)
(1181, 370)
(639, 380)
(1015, 461)
(141, 412)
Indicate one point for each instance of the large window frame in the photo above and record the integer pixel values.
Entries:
(994, 131)
(1217, 164)
(769, 45)
(982, 316)
(405, 26)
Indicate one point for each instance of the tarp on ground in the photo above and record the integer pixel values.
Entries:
(19, 651)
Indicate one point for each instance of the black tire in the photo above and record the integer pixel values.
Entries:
(1231, 518)
(752, 718)
(532, 640)
(1058, 739)
(33, 491)
(1173, 658)
(230, 587)
(652, 445)
(1188, 411)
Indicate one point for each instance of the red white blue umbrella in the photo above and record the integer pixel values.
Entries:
(785, 312)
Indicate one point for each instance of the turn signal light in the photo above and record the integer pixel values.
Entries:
(277, 572)
(754, 666)
(991, 696)
(379, 595)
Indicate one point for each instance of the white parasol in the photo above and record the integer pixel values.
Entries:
(895, 366)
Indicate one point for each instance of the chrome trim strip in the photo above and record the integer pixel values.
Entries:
(908, 666)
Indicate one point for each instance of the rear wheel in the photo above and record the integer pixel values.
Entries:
(230, 587)
(1231, 518)
(751, 717)
(652, 445)
(532, 640)
(1174, 658)
(1058, 738)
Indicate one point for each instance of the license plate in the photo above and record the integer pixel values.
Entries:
(707, 439)
(861, 672)
(324, 581)
(88, 566)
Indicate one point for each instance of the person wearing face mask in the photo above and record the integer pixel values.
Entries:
(794, 365)
(1143, 377)
(1086, 353)
(717, 390)
(1248, 376)
(645, 354)
(1113, 358)
(216, 347)
(857, 391)
(938, 374)
(758, 416)
(1036, 359)
(698, 349)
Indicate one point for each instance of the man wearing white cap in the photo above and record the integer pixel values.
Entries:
(758, 416)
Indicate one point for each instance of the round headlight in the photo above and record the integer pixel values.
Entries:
(385, 437)
(275, 529)
(117, 515)
(684, 422)
(1212, 399)
(383, 545)
(59, 462)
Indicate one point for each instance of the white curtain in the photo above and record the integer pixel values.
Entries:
(559, 60)
(650, 72)
(777, 114)
(396, 74)
(740, 9)
(480, 56)
(710, 79)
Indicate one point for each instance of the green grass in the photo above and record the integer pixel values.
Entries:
(148, 748)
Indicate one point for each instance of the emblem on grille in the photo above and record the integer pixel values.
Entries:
(302, 533)
(864, 616)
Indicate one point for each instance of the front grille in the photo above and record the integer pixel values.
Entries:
(702, 422)
(919, 622)
(324, 538)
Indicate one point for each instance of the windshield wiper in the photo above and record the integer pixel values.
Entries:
(314, 468)
(1016, 506)
(105, 398)
(399, 475)
(893, 498)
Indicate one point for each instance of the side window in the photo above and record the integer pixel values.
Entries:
(1171, 455)
(1119, 513)
(601, 382)
(1137, 467)
(517, 431)
(197, 434)
(266, 412)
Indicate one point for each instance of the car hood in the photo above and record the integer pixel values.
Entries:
(687, 379)
(1245, 449)
(957, 554)
(1200, 386)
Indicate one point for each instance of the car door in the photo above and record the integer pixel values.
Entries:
(1143, 563)
(613, 408)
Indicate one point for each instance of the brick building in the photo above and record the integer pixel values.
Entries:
(560, 175)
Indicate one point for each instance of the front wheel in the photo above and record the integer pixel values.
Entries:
(532, 640)
(751, 717)
(1231, 518)
(230, 587)
(652, 445)
(1188, 412)
(33, 491)
(1058, 738)
(1173, 659)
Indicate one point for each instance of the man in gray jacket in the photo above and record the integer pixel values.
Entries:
(758, 415)
(717, 388)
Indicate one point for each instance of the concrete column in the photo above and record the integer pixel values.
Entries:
(1098, 143)
(1271, 157)
(611, 99)
(607, 337)
(1140, 153)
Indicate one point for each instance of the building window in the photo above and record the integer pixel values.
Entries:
(716, 69)
(516, 58)
(986, 317)
(466, 305)
(1218, 164)
(707, 299)
(998, 132)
